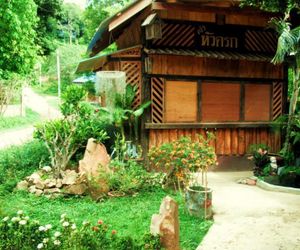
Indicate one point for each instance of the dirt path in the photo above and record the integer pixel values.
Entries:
(249, 218)
(15, 137)
(40, 105)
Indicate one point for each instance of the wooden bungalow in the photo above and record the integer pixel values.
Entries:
(206, 66)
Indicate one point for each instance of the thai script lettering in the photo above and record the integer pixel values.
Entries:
(210, 39)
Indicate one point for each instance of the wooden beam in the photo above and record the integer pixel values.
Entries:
(208, 125)
(122, 17)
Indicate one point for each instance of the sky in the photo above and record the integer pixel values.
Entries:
(80, 3)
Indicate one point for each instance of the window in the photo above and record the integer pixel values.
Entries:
(257, 102)
(220, 102)
(180, 101)
(207, 101)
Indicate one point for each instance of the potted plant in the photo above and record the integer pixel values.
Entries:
(186, 163)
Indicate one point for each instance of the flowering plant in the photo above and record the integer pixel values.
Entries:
(20, 232)
(181, 158)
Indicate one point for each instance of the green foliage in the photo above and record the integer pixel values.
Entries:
(260, 157)
(64, 137)
(130, 178)
(22, 232)
(14, 122)
(123, 114)
(71, 24)
(18, 20)
(271, 5)
(290, 176)
(49, 13)
(96, 12)
(17, 162)
(183, 157)
(130, 216)
(70, 55)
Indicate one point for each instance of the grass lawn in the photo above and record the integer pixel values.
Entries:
(127, 215)
(19, 121)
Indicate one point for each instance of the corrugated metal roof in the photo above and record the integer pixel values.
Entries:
(228, 55)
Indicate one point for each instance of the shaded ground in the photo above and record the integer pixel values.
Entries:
(249, 218)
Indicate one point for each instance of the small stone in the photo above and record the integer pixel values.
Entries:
(38, 192)
(51, 183)
(39, 184)
(47, 169)
(32, 189)
(51, 190)
(76, 189)
(70, 177)
(22, 185)
(58, 183)
(34, 178)
(251, 182)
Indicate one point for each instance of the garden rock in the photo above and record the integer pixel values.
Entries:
(34, 177)
(47, 169)
(50, 183)
(32, 189)
(97, 188)
(69, 177)
(166, 224)
(59, 183)
(39, 184)
(76, 189)
(52, 190)
(38, 192)
(22, 185)
(95, 160)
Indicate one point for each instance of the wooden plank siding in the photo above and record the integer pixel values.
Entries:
(233, 18)
(228, 141)
(208, 67)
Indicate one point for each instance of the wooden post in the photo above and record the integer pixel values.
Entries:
(145, 96)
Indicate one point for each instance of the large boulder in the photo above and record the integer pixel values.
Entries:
(95, 161)
(69, 177)
(166, 224)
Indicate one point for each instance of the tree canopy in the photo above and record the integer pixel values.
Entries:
(96, 12)
(18, 20)
(49, 13)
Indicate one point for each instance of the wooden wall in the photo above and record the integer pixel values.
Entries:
(228, 141)
(206, 12)
(209, 67)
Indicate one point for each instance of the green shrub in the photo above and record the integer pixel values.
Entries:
(290, 177)
(64, 137)
(21, 232)
(17, 162)
(130, 177)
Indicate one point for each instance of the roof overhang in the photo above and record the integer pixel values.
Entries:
(113, 26)
(98, 62)
(228, 55)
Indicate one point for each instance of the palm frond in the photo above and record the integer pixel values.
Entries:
(287, 41)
